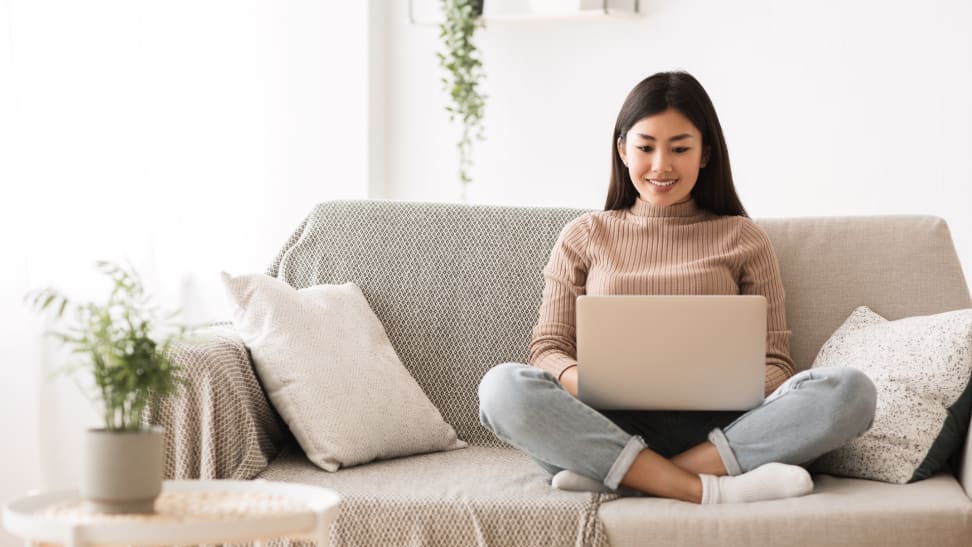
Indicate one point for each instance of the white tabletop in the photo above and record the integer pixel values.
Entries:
(194, 511)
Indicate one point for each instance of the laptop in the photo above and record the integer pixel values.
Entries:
(671, 352)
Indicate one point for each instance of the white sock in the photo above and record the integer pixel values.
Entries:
(767, 482)
(568, 480)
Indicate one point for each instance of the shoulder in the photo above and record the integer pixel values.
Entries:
(575, 236)
(750, 232)
(580, 231)
(742, 230)
(753, 241)
(580, 226)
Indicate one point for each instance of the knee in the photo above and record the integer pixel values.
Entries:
(500, 390)
(854, 400)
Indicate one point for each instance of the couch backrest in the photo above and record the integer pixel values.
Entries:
(458, 287)
(897, 265)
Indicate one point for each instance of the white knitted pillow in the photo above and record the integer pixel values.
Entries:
(920, 367)
(328, 368)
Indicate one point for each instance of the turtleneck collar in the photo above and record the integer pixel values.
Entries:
(645, 208)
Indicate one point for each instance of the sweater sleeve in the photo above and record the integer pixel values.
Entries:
(760, 274)
(553, 345)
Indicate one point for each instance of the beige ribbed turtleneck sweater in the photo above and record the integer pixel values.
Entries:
(647, 249)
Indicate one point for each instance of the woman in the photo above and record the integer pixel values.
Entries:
(672, 224)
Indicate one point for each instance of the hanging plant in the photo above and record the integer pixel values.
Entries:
(465, 74)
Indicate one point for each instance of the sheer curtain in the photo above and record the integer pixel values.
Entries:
(187, 137)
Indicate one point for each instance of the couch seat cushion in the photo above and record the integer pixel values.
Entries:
(477, 496)
(840, 511)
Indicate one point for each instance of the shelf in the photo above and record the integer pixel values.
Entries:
(428, 12)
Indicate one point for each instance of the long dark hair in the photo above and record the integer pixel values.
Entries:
(714, 190)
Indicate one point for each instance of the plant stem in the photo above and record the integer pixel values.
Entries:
(461, 61)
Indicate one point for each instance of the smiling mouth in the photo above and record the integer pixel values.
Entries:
(663, 183)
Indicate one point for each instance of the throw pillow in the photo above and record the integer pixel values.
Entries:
(330, 371)
(920, 367)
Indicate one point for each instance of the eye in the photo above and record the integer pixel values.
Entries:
(682, 149)
(644, 148)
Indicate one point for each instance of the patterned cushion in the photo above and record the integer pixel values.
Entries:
(921, 368)
(329, 369)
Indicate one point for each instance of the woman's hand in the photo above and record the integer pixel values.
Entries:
(568, 379)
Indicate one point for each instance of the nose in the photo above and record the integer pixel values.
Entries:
(660, 163)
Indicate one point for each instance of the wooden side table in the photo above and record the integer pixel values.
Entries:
(187, 512)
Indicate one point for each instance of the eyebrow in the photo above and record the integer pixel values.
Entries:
(675, 138)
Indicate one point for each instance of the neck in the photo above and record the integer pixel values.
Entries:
(645, 208)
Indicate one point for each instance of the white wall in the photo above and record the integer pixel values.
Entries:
(18, 382)
(188, 135)
(829, 108)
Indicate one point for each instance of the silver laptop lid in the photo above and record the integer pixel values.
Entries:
(671, 352)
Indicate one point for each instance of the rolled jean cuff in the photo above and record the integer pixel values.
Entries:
(718, 438)
(628, 454)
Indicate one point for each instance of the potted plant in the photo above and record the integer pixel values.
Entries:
(124, 344)
(465, 74)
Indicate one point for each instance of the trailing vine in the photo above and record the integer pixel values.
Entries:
(465, 74)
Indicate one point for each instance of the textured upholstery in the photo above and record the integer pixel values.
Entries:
(458, 289)
(897, 265)
(840, 512)
(474, 496)
(221, 426)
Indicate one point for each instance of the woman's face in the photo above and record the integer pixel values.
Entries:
(664, 153)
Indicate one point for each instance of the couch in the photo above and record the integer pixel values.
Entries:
(458, 289)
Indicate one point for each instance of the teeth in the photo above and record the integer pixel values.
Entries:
(663, 183)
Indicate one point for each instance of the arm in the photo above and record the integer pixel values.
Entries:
(220, 424)
(568, 379)
(553, 346)
(760, 274)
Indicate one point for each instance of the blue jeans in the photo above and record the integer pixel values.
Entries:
(812, 413)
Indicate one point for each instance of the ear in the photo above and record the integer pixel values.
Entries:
(621, 152)
(706, 151)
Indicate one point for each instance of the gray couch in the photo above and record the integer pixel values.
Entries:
(458, 289)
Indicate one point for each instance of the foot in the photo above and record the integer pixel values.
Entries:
(767, 482)
(568, 480)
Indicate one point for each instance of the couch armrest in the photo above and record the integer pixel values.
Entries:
(965, 465)
(220, 424)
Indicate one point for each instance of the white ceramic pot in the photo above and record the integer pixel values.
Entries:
(122, 471)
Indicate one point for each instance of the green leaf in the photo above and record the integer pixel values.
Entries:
(464, 67)
(115, 344)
